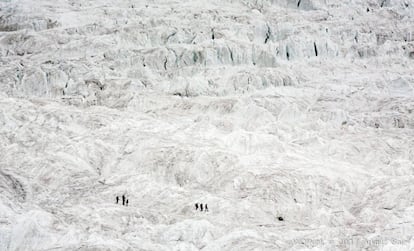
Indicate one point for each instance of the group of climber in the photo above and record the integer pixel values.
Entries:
(205, 207)
(125, 201)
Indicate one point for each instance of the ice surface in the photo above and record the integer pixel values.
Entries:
(259, 108)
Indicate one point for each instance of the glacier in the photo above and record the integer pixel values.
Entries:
(300, 109)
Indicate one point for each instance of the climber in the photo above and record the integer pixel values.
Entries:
(196, 206)
(123, 200)
(206, 208)
(117, 199)
(201, 207)
(127, 202)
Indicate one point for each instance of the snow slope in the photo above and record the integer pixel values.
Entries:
(260, 108)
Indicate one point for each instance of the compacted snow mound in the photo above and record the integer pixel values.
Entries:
(299, 109)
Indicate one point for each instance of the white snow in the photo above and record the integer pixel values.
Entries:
(259, 108)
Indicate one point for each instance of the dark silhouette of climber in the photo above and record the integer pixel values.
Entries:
(280, 218)
(123, 200)
(206, 208)
(196, 206)
(117, 199)
(201, 207)
(126, 202)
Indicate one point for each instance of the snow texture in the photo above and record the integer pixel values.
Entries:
(300, 109)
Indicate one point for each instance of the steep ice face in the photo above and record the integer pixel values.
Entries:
(169, 41)
(261, 109)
